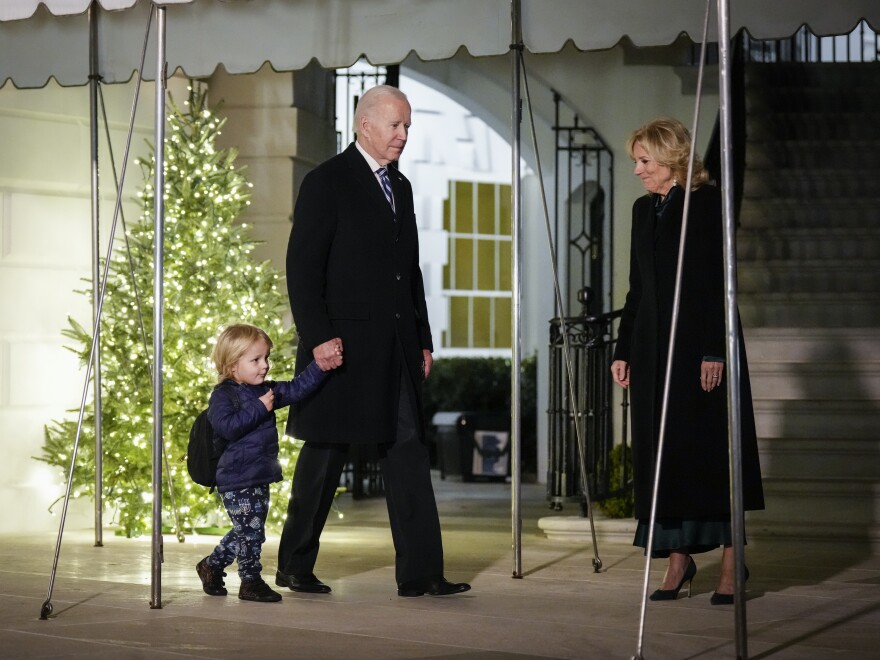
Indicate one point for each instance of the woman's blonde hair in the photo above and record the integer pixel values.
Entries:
(232, 343)
(668, 142)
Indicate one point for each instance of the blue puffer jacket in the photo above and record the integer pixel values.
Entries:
(249, 431)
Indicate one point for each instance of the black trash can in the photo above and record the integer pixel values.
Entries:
(474, 445)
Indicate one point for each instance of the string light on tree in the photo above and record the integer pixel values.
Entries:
(210, 280)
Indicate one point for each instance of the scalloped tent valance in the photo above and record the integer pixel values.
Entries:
(40, 39)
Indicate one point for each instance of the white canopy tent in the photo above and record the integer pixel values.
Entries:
(41, 39)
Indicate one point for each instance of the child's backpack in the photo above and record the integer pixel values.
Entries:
(201, 454)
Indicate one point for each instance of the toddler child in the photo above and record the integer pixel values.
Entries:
(242, 412)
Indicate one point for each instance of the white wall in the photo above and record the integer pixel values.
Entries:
(446, 142)
(45, 252)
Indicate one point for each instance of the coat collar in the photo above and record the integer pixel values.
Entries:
(366, 178)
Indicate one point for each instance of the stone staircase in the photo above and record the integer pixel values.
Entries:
(809, 295)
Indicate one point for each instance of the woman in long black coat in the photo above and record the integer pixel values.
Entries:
(693, 504)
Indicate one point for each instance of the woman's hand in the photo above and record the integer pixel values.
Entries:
(620, 373)
(710, 375)
(427, 362)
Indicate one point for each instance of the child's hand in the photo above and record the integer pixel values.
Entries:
(268, 400)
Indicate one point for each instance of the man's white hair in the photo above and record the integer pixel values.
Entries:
(372, 98)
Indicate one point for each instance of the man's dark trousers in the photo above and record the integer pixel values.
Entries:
(412, 509)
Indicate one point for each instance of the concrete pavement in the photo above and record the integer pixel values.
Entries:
(805, 599)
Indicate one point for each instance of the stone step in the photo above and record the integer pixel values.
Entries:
(844, 506)
(765, 98)
(848, 500)
(819, 276)
(576, 529)
(829, 499)
(815, 182)
(840, 310)
(800, 530)
(808, 154)
(808, 256)
(814, 126)
(838, 510)
(827, 75)
(793, 212)
(808, 243)
(795, 381)
(817, 458)
(831, 346)
(812, 418)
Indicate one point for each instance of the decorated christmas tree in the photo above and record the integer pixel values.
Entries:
(210, 280)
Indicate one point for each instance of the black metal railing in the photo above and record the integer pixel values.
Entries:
(861, 44)
(362, 476)
(351, 83)
(591, 343)
(584, 209)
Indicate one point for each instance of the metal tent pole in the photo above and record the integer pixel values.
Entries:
(516, 367)
(518, 75)
(578, 418)
(94, 78)
(737, 520)
(158, 302)
(676, 305)
(46, 608)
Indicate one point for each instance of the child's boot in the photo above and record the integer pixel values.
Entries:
(212, 578)
(257, 590)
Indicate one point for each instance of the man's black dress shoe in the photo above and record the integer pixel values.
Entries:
(441, 587)
(307, 583)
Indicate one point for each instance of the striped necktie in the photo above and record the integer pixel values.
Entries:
(386, 184)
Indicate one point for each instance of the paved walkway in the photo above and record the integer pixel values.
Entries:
(805, 600)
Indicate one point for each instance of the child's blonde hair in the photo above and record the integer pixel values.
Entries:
(232, 343)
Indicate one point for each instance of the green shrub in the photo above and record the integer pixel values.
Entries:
(620, 506)
(482, 384)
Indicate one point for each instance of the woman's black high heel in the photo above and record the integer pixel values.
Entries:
(672, 594)
(727, 599)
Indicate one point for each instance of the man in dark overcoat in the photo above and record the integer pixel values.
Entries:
(356, 292)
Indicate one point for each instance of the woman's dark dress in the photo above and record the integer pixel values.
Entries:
(693, 505)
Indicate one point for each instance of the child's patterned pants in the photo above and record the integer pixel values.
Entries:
(247, 509)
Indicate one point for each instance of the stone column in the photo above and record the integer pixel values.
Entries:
(282, 124)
